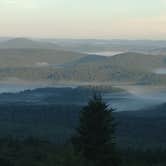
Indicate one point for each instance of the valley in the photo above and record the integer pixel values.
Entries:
(30, 62)
(48, 84)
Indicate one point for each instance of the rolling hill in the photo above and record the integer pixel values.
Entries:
(32, 60)
(53, 113)
(22, 52)
(126, 67)
(127, 60)
(24, 43)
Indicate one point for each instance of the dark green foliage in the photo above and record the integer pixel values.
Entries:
(5, 162)
(148, 157)
(56, 122)
(34, 152)
(95, 135)
(54, 117)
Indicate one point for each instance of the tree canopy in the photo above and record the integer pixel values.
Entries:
(95, 135)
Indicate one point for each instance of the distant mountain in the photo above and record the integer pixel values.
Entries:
(59, 65)
(36, 57)
(129, 61)
(3, 39)
(126, 60)
(92, 45)
(138, 61)
(126, 67)
(90, 59)
(24, 43)
(22, 52)
(160, 51)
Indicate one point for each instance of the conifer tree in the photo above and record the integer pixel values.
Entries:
(95, 135)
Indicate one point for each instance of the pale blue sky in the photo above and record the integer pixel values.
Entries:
(131, 19)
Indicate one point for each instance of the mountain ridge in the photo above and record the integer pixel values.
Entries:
(24, 43)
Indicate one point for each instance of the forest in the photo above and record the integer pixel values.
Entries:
(42, 136)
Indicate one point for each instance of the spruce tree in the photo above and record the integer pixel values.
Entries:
(95, 135)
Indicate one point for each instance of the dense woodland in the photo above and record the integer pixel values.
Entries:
(41, 136)
(32, 152)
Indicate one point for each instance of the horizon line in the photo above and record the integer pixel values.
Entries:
(72, 38)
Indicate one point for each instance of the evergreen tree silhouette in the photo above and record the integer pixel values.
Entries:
(95, 135)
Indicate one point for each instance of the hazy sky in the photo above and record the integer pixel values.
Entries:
(131, 19)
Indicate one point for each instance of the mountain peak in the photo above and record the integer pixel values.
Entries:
(25, 43)
(20, 39)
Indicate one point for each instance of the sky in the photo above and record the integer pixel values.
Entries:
(97, 19)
